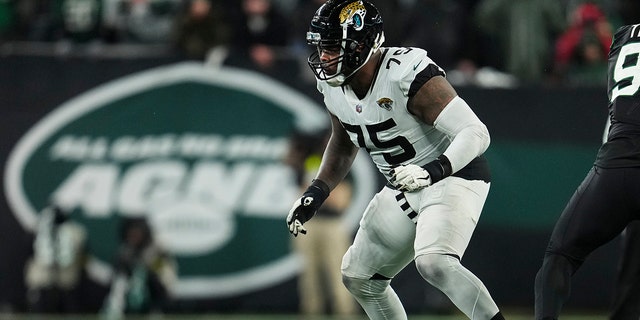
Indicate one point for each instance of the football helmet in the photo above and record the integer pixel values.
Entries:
(350, 29)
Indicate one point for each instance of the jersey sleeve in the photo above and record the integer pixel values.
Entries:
(417, 71)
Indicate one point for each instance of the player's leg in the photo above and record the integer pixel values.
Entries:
(596, 213)
(382, 248)
(449, 212)
(626, 299)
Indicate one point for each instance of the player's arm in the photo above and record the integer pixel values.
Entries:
(338, 155)
(437, 103)
(336, 162)
(432, 97)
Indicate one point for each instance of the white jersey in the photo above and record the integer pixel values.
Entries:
(381, 122)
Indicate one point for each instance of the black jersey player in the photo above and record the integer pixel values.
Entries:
(609, 197)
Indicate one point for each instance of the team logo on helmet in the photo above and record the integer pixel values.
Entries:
(353, 14)
(385, 103)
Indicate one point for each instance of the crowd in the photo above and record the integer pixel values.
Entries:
(492, 43)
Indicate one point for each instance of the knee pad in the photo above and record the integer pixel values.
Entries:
(365, 288)
(435, 267)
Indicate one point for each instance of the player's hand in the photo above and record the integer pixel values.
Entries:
(300, 213)
(306, 207)
(410, 178)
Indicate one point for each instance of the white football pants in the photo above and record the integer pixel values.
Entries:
(432, 226)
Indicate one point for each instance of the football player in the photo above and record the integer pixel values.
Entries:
(607, 199)
(396, 104)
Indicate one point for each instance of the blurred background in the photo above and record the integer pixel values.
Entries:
(151, 149)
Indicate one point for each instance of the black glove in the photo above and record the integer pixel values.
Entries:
(306, 207)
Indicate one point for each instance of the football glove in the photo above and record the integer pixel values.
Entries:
(410, 177)
(306, 207)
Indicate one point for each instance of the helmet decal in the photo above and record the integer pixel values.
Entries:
(353, 14)
(313, 37)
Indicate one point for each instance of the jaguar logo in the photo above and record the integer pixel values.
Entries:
(385, 103)
(353, 14)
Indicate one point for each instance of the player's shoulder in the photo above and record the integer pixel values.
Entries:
(626, 34)
(632, 30)
(404, 63)
(403, 54)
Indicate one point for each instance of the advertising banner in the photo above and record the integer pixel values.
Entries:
(196, 151)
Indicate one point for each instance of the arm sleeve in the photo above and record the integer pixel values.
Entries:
(470, 137)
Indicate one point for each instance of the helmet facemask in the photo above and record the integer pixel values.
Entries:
(353, 41)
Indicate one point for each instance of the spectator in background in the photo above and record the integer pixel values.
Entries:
(201, 28)
(522, 34)
(581, 51)
(300, 17)
(54, 272)
(303, 11)
(141, 21)
(441, 35)
(452, 37)
(396, 20)
(32, 19)
(261, 34)
(78, 21)
(143, 274)
(320, 283)
(628, 11)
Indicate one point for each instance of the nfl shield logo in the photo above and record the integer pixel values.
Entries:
(359, 108)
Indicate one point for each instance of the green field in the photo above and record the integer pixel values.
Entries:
(513, 315)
